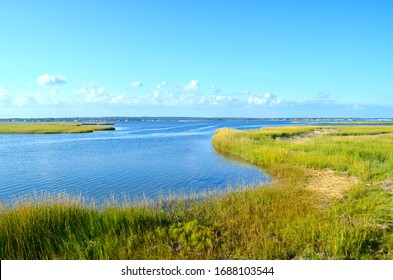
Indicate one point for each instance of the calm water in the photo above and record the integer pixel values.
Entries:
(138, 158)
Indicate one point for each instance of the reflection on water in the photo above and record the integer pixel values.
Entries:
(138, 158)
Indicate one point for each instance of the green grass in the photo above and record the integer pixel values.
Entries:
(344, 122)
(291, 219)
(50, 128)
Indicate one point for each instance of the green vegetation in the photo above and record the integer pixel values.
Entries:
(50, 128)
(344, 122)
(331, 198)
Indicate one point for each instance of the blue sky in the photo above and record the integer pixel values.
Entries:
(196, 58)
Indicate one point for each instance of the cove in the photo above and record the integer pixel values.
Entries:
(138, 159)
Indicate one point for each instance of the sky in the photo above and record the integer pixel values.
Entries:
(254, 58)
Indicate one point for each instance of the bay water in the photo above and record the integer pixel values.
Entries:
(138, 159)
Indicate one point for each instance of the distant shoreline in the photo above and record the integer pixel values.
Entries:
(52, 128)
(113, 119)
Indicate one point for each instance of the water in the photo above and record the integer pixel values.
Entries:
(137, 159)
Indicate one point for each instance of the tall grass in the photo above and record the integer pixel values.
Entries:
(282, 221)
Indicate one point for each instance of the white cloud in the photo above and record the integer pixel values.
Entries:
(266, 99)
(94, 93)
(187, 98)
(191, 86)
(161, 94)
(85, 88)
(97, 94)
(259, 99)
(136, 84)
(157, 90)
(221, 99)
(26, 99)
(100, 95)
(118, 99)
(47, 80)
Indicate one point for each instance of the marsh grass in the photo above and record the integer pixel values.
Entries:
(50, 128)
(282, 221)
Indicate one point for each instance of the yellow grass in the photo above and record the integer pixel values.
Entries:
(50, 128)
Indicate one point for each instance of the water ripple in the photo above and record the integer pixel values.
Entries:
(136, 159)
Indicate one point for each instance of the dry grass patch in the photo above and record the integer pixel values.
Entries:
(329, 185)
(387, 186)
(308, 136)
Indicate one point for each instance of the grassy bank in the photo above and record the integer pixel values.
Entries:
(331, 198)
(344, 122)
(50, 128)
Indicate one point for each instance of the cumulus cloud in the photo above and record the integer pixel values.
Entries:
(94, 93)
(158, 89)
(191, 86)
(97, 95)
(136, 84)
(266, 99)
(221, 99)
(100, 95)
(259, 100)
(50, 80)
(25, 99)
(160, 94)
